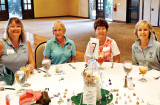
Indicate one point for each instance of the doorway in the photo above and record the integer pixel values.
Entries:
(23, 9)
(15, 8)
(4, 15)
(109, 10)
(132, 11)
(92, 9)
(100, 9)
(151, 11)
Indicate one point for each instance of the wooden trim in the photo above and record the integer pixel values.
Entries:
(159, 15)
(62, 16)
(119, 21)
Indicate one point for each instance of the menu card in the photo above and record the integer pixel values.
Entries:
(89, 95)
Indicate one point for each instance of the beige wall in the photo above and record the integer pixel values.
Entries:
(51, 8)
(120, 14)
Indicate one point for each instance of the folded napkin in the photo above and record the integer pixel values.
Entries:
(41, 97)
(30, 96)
(8, 76)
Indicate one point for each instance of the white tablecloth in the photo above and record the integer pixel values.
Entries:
(73, 81)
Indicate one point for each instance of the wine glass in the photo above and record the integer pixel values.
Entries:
(46, 65)
(20, 77)
(143, 68)
(100, 60)
(127, 66)
(27, 70)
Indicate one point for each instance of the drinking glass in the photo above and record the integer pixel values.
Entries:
(143, 68)
(20, 77)
(46, 65)
(27, 70)
(58, 68)
(100, 60)
(127, 66)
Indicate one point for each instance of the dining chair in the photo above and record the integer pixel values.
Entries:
(39, 54)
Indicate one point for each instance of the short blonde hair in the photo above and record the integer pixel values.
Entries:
(61, 24)
(22, 37)
(143, 23)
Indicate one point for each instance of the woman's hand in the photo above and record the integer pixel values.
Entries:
(31, 67)
(92, 46)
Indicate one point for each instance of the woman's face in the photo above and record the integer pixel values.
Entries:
(58, 31)
(14, 30)
(143, 33)
(101, 32)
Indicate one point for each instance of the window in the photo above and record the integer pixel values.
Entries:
(2, 5)
(100, 4)
(27, 4)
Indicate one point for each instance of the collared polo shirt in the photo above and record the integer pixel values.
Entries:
(151, 53)
(14, 58)
(57, 54)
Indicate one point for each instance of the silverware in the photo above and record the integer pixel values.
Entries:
(112, 64)
(156, 77)
(72, 66)
(3, 88)
(39, 70)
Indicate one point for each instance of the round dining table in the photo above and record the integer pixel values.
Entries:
(68, 83)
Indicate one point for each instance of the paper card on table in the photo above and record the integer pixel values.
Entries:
(89, 95)
(95, 42)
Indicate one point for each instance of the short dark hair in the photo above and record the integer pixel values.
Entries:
(101, 22)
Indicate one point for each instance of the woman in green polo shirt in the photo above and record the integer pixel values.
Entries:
(146, 48)
(60, 49)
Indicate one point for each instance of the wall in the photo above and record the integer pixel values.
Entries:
(51, 8)
(120, 14)
(83, 8)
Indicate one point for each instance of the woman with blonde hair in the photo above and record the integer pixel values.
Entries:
(145, 47)
(15, 50)
(60, 49)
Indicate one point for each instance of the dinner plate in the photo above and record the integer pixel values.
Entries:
(76, 99)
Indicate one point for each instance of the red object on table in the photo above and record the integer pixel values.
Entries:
(30, 96)
(7, 101)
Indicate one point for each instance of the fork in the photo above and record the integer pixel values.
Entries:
(157, 77)
(72, 66)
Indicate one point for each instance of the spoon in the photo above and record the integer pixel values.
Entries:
(72, 66)
(39, 70)
(3, 88)
(157, 77)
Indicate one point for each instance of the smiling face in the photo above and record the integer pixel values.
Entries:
(14, 30)
(101, 32)
(143, 32)
(58, 31)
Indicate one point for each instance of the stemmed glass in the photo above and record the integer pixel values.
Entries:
(20, 77)
(143, 68)
(46, 65)
(100, 60)
(127, 65)
(27, 70)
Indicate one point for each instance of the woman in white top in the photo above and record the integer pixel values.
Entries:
(106, 45)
